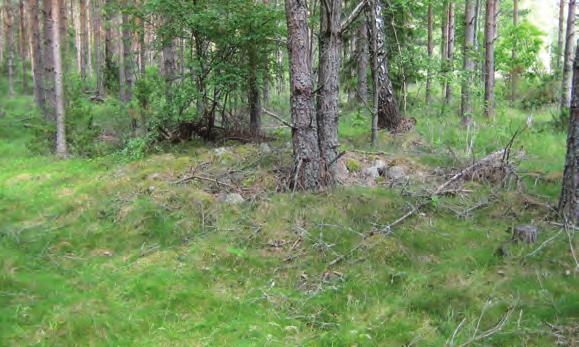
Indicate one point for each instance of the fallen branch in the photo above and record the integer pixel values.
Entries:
(275, 116)
(492, 331)
(208, 179)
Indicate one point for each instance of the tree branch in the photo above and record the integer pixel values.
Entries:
(353, 16)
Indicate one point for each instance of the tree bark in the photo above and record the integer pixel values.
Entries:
(9, 24)
(389, 116)
(63, 27)
(96, 17)
(449, 53)
(363, 60)
(490, 33)
(84, 51)
(515, 72)
(560, 42)
(468, 61)
(307, 169)
(23, 46)
(430, 48)
(61, 148)
(127, 64)
(568, 206)
(328, 101)
(37, 72)
(48, 61)
(568, 58)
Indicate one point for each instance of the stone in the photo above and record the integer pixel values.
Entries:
(371, 172)
(396, 173)
(231, 198)
(264, 148)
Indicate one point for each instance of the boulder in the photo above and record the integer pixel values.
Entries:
(396, 173)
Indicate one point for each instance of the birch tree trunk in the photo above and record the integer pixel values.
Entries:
(9, 24)
(61, 148)
(568, 206)
(568, 58)
(327, 112)
(430, 48)
(23, 46)
(389, 116)
(560, 42)
(307, 171)
(37, 72)
(362, 58)
(490, 33)
(48, 61)
(468, 61)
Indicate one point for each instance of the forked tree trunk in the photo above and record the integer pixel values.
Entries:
(61, 148)
(560, 42)
(96, 17)
(307, 169)
(389, 116)
(568, 57)
(430, 48)
(568, 206)
(468, 61)
(9, 24)
(327, 111)
(23, 46)
(449, 53)
(48, 61)
(490, 33)
(362, 58)
(84, 51)
(37, 72)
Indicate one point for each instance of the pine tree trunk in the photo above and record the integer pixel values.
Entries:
(363, 61)
(96, 17)
(515, 72)
(568, 206)
(568, 58)
(48, 61)
(9, 23)
(307, 170)
(490, 33)
(61, 148)
(84, 51)
(109, 64)
(142, 47)
(23, 47)
(389, 116)
(253, 95)
(560, 42)
(63, 27)
(449, 53)
(37, 71)
(127, 75)
(468, 62)
(430, 47)
(327, 111)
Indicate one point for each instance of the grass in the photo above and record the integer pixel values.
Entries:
(109, 252)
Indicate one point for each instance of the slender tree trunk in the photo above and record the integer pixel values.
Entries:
(23, 46)
(330, 42)
(560, 42)
(568, 57)
(61, 148)
(516, 68)
(389, 116)
(96, 17)
(84, 51)
(568, 206)
(37, 72)
(2, 36)
(63, 27)
(490, 33)
(109, 64)
(450, 53)
(363, 61)
(127, 85)
(253, 95)
(444, 40)
(430, 47)
(307, 169)
(48, 61)
(468, 62)
(9, 23)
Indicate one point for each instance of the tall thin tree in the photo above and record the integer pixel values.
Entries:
(514, 53)
(560, 39)
(61, 147)
(48, 60)
(448, 69)
(568, 57)
(490, 34)
(430, 48)
(9, 25)
(23, 46)
(84, 49)
(468, 61)
(37, 68)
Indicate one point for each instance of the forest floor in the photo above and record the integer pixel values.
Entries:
(200, 245)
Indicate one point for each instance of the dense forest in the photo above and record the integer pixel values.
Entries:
(289, 172)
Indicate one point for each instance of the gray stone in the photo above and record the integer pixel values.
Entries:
(371, 172)
(231, 198)
(264, 147)
(396, 172)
